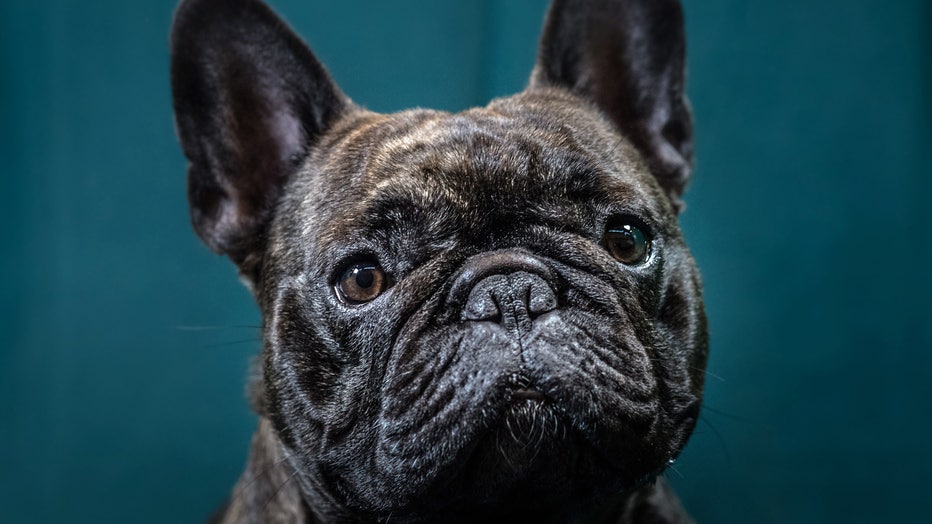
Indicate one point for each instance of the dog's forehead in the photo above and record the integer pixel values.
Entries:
(534, 139)
(532, 153)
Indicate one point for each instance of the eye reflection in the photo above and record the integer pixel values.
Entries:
(627, 243)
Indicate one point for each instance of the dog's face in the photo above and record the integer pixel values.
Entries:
(461, 311)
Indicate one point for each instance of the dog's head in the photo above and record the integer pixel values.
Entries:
(461, 311)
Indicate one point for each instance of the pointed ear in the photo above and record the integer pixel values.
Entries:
(250, 99)
(628, 57)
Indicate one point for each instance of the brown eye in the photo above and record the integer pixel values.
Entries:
(628, 244)
(361, 283)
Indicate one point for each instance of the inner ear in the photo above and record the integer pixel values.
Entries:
(628, 58)
(250, 100)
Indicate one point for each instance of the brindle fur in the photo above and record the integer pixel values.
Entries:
(399, 409)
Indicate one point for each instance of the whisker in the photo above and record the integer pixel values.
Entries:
(255, 478)
(709, 373)
(727, 415)
(718, 436)
(501, 449)
(278, 490)
(678, 473)
(232, 342)
(542, 427)
(216, 328)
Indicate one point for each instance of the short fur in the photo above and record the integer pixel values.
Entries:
(489, 225)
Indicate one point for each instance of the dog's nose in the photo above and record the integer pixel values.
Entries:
(520, 294)
(505, 285)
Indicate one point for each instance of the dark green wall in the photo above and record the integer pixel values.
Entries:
(124, 343)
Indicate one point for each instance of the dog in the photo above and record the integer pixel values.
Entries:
(484, 315)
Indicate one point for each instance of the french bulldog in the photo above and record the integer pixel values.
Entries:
(483, 315)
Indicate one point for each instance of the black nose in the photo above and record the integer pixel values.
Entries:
(504, 286)
(520, 294)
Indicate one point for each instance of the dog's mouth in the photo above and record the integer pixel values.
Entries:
(527, 393)
(522, 388)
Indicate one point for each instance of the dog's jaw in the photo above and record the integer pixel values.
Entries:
(270, 490)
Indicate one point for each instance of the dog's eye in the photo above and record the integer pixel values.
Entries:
(628, 244)
(361, 283)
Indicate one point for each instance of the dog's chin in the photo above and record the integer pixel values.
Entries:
(530, 448)
(531, 460)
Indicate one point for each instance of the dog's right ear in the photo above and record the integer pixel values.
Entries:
(628, 58)
(250, 100)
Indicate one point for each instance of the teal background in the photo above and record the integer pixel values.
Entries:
(124, 343)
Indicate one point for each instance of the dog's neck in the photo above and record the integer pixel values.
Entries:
(270, 491)
(267, 490)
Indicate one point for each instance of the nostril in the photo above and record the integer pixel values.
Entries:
(540, 297)
(483, 302)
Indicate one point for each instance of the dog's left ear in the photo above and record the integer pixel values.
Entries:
(251, 99)
(628, 57)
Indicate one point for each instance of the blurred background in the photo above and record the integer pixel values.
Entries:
(124, 343)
